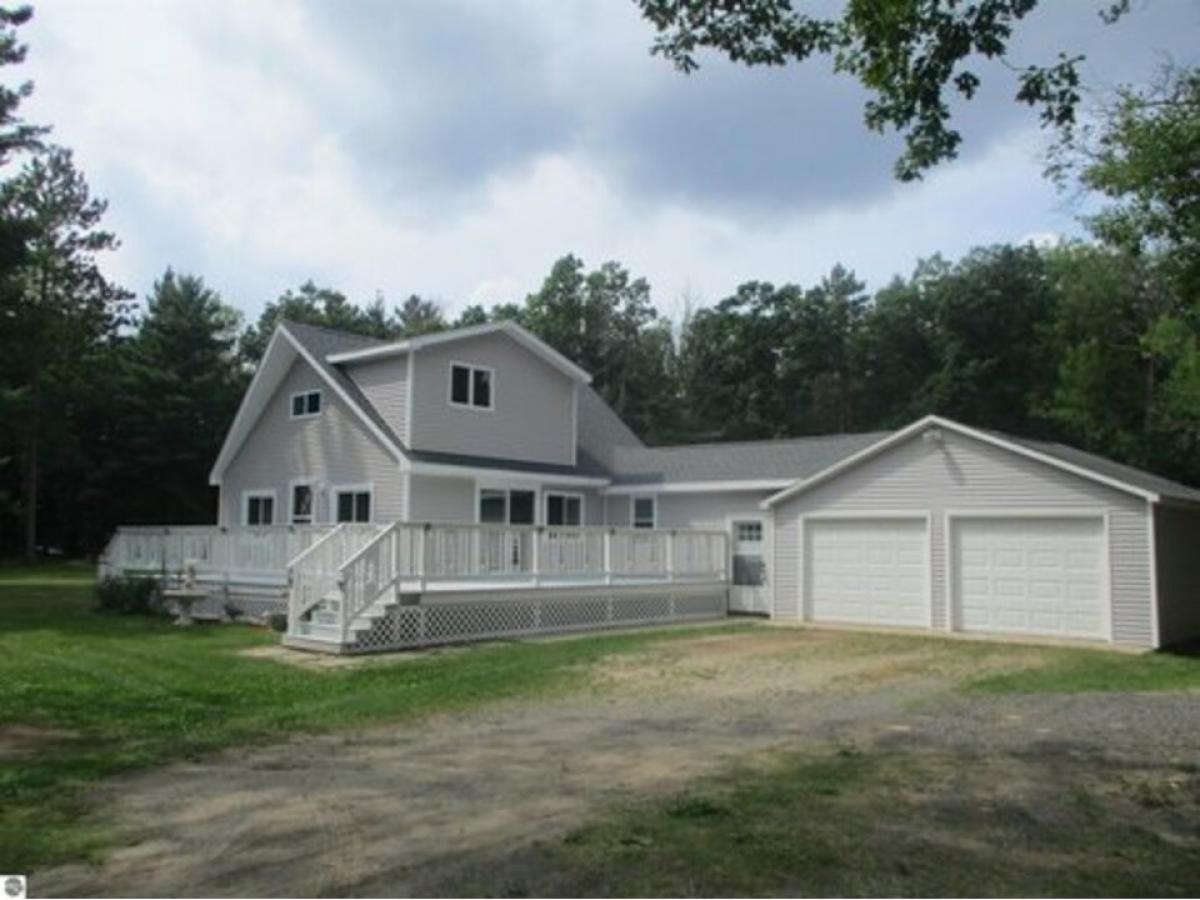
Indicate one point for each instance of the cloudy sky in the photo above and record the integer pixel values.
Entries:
(455, 149)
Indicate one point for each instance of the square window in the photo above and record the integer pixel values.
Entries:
(353, 506)
(305, 404)
(564, 509)
(749, 532)
(260, 510)
(471, 386)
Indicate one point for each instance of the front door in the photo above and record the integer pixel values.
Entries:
(749, 589)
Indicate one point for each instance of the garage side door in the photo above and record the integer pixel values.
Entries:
(1040, 576)
(868, 571)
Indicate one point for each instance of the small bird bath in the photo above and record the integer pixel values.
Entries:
(185, 596)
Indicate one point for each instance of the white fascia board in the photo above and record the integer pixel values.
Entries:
(446, 470)
(698, 487)
(243, 420)
(938, 422)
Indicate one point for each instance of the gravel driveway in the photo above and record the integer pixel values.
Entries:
(404, 810)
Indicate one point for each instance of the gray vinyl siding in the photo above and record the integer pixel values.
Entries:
(707, 512)
(533, 415)
(965, 473)
(1177, 538)
(331, 449)
(384, 383)
(437, 499)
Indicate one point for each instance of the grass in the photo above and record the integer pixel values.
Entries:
(847, 823)
(100, 693)
(1079, 671)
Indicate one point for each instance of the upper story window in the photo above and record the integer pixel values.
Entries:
(644, 512)
(305, 404)
(471, 386)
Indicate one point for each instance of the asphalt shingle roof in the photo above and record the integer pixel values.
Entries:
(783, 459)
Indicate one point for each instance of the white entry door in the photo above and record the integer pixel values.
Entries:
(749, 589)
(1030, 575)
(872, 571)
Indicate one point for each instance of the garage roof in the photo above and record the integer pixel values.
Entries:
(1086, 465)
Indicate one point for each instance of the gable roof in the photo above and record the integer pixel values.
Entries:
(527, 339)
(1086, 465)
(761, 465)
(292, 341)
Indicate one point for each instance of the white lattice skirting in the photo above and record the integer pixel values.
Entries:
(519, 614)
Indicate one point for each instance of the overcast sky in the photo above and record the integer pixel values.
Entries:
(456, 149)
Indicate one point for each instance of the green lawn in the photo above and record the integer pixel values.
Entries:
(846, 823)
(99, 693)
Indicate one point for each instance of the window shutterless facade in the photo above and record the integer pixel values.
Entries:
(258, 508)
(352, 504)
(472, 386)
(306, 404)
(302, 504)
(564, 509)
(645, 512)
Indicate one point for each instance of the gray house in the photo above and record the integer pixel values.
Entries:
(391, 487)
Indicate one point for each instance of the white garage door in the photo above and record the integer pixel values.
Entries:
(873, 571)
(1042, 576)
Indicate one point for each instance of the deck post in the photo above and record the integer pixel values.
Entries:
(422, 545)
(608, 573)
(535, 555)
(671, 555)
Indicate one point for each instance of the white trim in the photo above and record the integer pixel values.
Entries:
(938, 422)
(337, 388)
(1093, 514)
(1152, 534)
(471, 368)
(866, 515)
(306, 394)
(447, 470)
(575, 423)
(366, 487)
(699, 487)
(633, 499)
(409, 393)
(229, 446)
(512, 329)
(260, 493)
(291, 503)
(406, 503)
(547, 493)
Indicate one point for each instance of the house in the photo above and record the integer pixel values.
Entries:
(410, 485)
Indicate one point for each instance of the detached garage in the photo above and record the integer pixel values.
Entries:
(946, 528)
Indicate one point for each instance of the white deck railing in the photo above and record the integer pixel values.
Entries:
(415, 557)
(226, 553)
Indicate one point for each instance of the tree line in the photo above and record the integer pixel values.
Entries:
(114, 415)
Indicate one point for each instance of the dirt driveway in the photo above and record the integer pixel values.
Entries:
(409, 809)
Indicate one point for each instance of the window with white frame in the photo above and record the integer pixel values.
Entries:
(472, 386)
(258, 508)
(748, 532)
(352, 504)
(306, 404)
(502, 506)
(644, 512)
(302, 504)
(564, 509)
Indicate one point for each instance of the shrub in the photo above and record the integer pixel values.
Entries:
(277, 621)
(131, 595)
(232, 612)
